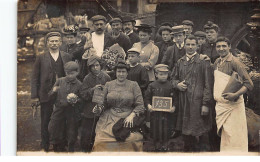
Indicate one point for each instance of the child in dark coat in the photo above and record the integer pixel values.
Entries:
(62, 126)
(161, 123)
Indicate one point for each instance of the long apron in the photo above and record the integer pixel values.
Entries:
(230, 117)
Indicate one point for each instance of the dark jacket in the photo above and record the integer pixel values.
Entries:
(134, 38)
(42, 79)
(162, 45)
(198, 76)
(75, 50)
(87, 91)
(210, 50)
(124, 41)
(172, 55)
(108, 41)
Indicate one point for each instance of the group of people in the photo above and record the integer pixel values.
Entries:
(114, 111)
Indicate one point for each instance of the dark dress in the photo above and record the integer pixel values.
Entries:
(89, 122)
(62, 126)
(134, 38)
(162, 45)
(162, 123)
(139, 74)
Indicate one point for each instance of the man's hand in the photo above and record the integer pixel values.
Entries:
(204, 111)
(55, 89)
(129, 121)
(230, 96)
(182, 86)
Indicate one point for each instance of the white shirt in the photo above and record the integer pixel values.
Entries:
(129, 32)
(180, 46)
(55, 55)
(190, 57)
(98, 43)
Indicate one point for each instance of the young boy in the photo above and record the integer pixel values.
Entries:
(161, 123)
(137, 72)
(62, 126)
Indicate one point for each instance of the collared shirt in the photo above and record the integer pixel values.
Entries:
(180, 46)
(129, 32)
(190, 57)
(98, 43)
(55, 55)
(222, 60)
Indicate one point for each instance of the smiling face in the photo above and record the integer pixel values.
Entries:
(222, 48)
(144, 36)
(121, 74)
(99, 26)
(166, 35)
(128, 26)
(54, 42)
(211, 35)
(190, 46)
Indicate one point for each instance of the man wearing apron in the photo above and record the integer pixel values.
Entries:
(230, 107)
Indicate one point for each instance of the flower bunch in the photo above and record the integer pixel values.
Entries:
(72, 98)
(111, 57)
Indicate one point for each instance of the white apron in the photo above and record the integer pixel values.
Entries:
(230, 116)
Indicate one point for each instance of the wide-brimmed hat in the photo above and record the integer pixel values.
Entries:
(128, 19)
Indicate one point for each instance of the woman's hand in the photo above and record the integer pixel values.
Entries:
(129, 121)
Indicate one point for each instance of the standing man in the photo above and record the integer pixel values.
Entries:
(100, 39)
(201, 36)
(120, 38)
(165, 33)
(209, 48)
(47, 68)
(188, 27)
(230, 107)
(175, 52)
(128, 27)
(193, 78)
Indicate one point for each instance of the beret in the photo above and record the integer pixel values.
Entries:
(92, 59)
(177, 29)
(134, 50)
(98, 17)
(187, 22)
(200, 34)
(163, 28)
(161, 67)
(128, 19)
(115, 20)
(71, 66)
(52, 34)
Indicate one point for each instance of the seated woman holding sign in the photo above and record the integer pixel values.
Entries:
(123, 104)
(159, 98)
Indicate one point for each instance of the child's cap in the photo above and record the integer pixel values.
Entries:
(71, 66)
(161, 67)
(134, 50)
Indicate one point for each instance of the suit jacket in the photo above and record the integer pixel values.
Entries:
(108, 41)
(134, 38)
(42, 76)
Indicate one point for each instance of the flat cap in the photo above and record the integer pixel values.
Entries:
(134, 50)
(92, 59)
(163, 28)
(177, 29)
(200, 34)
(98, 17)
(114, 20)
(211, 25)
(128, 19)
(52, 34)
(161, 67)
(71, 66)
(187, 22)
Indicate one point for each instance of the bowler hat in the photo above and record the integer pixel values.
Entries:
(98, 17)
(177, 29)
(128, 19)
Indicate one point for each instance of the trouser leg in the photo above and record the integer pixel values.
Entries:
(46, 111)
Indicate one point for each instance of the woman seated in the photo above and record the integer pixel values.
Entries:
(123, 103)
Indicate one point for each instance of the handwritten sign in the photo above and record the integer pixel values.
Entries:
(162, 104)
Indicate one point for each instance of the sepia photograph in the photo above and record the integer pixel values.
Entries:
(138, 77)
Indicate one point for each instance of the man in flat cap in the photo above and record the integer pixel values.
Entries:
(100, 39)
(209, 48)
(165, 33)
(128, 27)
(176, 51)
(201, 36)
(188, 27)
(120, 38)
(47, 68)
(193, 78)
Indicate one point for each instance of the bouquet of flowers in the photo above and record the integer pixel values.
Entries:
(111, 55)
(72, 98)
